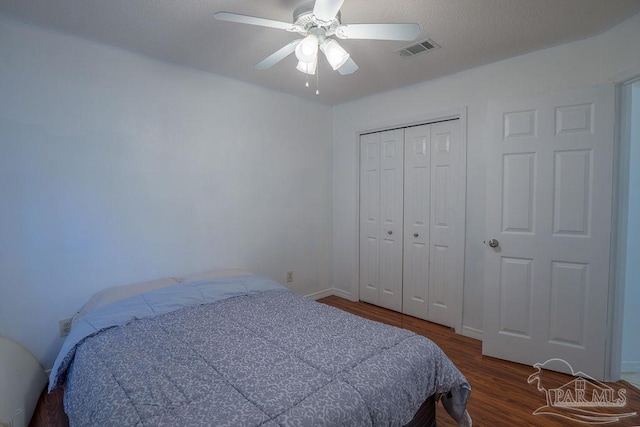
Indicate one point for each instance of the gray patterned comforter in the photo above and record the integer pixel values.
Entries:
(267, 358)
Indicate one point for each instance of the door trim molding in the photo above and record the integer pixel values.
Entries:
(617, 265)
(408, 121)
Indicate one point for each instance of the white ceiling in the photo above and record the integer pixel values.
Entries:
(471, 33)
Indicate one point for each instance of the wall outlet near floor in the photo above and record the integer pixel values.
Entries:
(65, 327)
(290, 276)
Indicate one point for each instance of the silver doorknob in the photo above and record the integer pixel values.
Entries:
(415, 234)
(389, 232)
(493, 243)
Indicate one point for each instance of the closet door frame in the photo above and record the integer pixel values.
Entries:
(416, 120)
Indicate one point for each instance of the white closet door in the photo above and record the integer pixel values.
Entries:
(434, 223)
(369, 217)
(391, 215)
(446, 231)
(381, 213)
(412, 221)
(417, 165)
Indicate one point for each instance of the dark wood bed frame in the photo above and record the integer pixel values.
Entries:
(426, 415)
(50, 412)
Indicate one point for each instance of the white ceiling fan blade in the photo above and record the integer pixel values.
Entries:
(406, 32)
(349, 67)
(252, 20)
(277, 56)
(326, 10)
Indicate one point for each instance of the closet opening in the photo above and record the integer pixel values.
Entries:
(412, 198)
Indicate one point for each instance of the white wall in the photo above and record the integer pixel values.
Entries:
(630, 341)
(583, 63)
(115, 168)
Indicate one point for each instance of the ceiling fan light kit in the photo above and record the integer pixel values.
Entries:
(307, 49)
(307, 67)
(335, 54)
(317, 21)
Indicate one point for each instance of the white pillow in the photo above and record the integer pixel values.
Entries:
(230, 272)
(117, 293)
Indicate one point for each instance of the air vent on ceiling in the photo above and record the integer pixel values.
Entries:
(423, 46)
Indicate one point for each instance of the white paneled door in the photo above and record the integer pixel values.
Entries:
(433, 223)
(412, 221)
(417, 202)
(370, 217)
(381, 213)
(549, 183)
(446, 257)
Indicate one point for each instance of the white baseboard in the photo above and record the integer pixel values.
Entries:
(472, 332)
(344, 294)
(630, 366)
(320, 294)
(329, 292)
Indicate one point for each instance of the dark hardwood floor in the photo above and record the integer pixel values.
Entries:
(501, 395)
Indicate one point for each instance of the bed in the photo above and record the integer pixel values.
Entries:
(241, 349)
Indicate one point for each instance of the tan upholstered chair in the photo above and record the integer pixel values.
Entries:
(21, 382)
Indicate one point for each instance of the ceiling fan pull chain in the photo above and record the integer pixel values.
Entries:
(317, 80)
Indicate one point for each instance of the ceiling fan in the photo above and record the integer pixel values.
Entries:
(317, 21)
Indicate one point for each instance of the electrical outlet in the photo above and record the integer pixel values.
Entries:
(65, 327)
(290, 276)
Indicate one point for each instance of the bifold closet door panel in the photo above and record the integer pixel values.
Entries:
(369, 276)
(447, 219)
(417, 177)
(381, 213)
(391, 218)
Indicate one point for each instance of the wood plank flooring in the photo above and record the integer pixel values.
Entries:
(500, 393)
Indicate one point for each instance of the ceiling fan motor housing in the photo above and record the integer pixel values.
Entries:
(304, 19)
